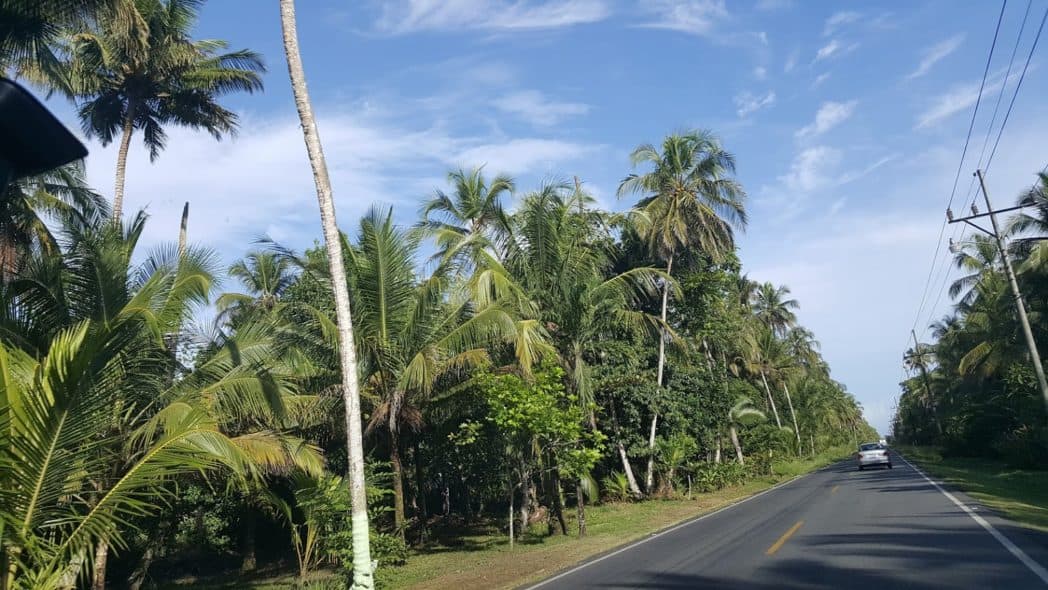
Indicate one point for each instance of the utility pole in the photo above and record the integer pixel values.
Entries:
(1010, 273)
(927, 382)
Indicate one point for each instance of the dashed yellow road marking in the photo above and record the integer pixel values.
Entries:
(785, 537)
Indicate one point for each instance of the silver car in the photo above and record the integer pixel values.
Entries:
(871, 454)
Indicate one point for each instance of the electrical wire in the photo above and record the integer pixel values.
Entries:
(960, 164)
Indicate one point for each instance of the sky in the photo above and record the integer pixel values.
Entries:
(847, 121)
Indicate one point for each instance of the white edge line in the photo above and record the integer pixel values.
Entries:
(676, 527)
(1012, 548)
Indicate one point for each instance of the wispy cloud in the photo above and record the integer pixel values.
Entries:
(820, 79)
(747, 103)
(839, 19)
(698, 17)
(411, 16)
(835, 48)
(935, 54)
(760, 72)
(791, 61)
(517, 156)
(537, 109)
(829, 115)
(957, 99)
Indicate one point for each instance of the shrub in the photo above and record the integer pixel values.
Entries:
(616, 487)
(1023, 447)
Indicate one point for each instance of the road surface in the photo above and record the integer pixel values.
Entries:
(837, 528)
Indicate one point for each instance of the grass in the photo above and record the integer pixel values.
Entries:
(480, 557)
(1019, 494)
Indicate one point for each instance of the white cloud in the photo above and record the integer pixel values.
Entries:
(935, 54)
(534, 107)
(760, 73)
(516, 156)
(820, 79)
(811, 169)
(839, 19)
(261, 182)
(697, 17)
(747, 103)
(791, 61)
(410, 16)
(829, 115)
(957, 99)
(834, 49)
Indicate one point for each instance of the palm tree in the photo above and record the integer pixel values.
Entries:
(60, 195)
(773, 307)
(266, 275)
(557, 267)
(144, 72)
(363, 578)
(84, 331)
(690, 200)
(743, 412)
(977, 257)
(411, 332)
(30, 31)
(470, 218)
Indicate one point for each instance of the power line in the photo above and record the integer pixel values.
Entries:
(1018, 85)
(960, 165)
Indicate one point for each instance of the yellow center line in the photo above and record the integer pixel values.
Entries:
(785, 537)
(834, 490)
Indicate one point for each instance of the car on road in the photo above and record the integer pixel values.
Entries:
(871, 454)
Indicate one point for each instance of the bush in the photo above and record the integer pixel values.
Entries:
(1023, 447)
(716, 476)
(616, 487)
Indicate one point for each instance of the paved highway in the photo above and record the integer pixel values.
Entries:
(837, 528)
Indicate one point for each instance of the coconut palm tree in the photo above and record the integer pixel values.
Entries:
(60, 195)
(30, 32)
(774, 308)
(689, 200)
(413, 331)
(742, 413)
(470, 218)
(977, 257)
(266, 275)
(363, 578)
(141, 72)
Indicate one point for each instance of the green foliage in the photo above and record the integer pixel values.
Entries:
(616, 487)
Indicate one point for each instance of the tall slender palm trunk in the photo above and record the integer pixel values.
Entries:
(98, 568)
(771, 400)
(735, 443)
(363, 577)
(121, 160)
(626, 467)
(793, 416)
(649, 474)
(398, 482)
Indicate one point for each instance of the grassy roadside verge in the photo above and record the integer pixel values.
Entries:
(480, 558)
(1019, 494)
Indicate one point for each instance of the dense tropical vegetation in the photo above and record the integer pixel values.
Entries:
(510, 356)
(973, 390)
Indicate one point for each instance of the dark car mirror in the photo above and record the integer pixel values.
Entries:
(32, 140)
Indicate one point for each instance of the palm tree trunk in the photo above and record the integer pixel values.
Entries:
(139, 575)
(183, 231)
(121, 160)
(512, 487)
(649, 474)
(793, 416)
(771, 400)
(98, 569)
(398, 483)
(362, 575)
(420, 492)
(626, 467)
(717, 453)
(812, 438)
(735, 443)
(580, 505)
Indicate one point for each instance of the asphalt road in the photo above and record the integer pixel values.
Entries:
(837, 528)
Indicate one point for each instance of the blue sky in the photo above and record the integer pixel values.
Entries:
(847, 120)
